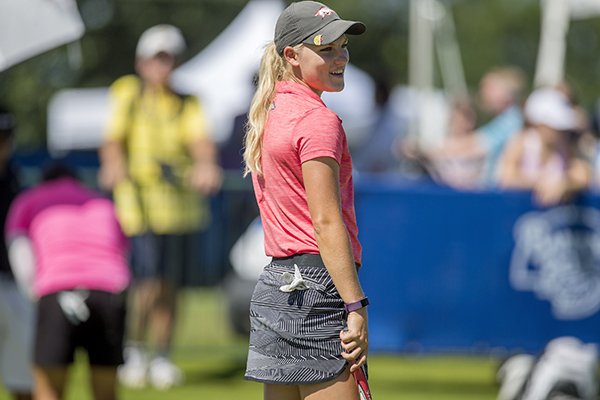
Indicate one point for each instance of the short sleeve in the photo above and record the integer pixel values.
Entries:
(20, 214)
(319, 133)
(193, 121)
(122, 94)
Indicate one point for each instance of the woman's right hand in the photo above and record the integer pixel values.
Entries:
(355, 339)
(113, 165)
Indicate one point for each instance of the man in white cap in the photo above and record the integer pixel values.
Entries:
(161, 164)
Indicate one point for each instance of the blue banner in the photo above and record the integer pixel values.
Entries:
(476, 271)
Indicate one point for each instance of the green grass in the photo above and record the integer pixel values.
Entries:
(213, 360)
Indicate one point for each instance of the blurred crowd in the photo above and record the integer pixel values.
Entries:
(502, 137)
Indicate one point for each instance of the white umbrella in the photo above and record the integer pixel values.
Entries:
(31, 27)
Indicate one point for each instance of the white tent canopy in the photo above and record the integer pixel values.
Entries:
(221, 76)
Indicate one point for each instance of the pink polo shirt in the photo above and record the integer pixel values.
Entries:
(77, 240)
(299, 128)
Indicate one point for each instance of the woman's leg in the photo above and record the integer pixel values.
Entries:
(49, 383)
(22, 396)
(343, 387)
(281, 392)
(104, 382)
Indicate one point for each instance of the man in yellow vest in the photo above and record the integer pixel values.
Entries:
(161, 164)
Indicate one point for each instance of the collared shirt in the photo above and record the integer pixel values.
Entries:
(76, 237)
(300, 128)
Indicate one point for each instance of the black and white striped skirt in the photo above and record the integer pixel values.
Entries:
(296, 315)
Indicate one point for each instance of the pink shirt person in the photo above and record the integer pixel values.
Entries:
(310, 130)
(76, 239)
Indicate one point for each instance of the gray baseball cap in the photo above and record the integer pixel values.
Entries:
(312, 22)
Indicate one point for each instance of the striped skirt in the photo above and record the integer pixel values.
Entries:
(296, 316)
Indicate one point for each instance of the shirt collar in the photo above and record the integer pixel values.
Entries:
(296, 88)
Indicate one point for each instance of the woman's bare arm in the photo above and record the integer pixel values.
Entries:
(321, 181)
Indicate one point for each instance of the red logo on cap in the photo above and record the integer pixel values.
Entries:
(324, 12)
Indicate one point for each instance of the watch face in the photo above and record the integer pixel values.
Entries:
(356, 305)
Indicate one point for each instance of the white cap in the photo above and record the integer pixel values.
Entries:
(160, 39)
(550, 107)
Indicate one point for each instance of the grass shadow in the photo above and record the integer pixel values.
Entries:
(233, 370)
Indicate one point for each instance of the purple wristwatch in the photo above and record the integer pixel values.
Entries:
(357, 305)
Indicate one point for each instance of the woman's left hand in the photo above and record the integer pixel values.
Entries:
(355, 339)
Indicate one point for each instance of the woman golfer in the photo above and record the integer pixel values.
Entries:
(308, 312)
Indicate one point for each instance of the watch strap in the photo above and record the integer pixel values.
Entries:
(357, 305)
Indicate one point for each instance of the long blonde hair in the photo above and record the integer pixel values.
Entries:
(273, 68)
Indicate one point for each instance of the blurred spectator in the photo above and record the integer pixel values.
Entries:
(457, 159)
(16, 311)
(499, 91)
(446, 163)
(583, 134)
(376, 153)
(544, 156)
(459, 170)
(68, 251)
(239, 205)
(161, 164)
(230, 152)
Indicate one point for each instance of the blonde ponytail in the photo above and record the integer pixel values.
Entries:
(272, 69)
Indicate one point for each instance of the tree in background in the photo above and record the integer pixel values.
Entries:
(490, 33)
